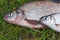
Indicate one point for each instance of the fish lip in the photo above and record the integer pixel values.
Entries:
(5, 17)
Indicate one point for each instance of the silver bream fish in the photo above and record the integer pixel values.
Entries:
(29, 14)
(52, 21)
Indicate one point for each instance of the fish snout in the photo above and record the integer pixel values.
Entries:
(5, 17)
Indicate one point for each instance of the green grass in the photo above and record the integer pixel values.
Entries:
(14, 32)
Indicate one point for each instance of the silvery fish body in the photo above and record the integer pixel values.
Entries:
(30, 13)
(52, 21)
(35, 10)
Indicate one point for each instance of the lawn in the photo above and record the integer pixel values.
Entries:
(14, 32)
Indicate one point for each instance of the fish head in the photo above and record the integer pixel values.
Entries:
(14, 15)
(47, 20)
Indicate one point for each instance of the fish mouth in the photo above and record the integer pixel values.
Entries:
(5, 17)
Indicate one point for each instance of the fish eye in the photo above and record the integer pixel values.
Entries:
(10, 14)
(45, 18)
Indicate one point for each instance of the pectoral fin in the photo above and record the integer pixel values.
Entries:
(34, 22)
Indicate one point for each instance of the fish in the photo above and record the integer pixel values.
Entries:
(52, 21)
(29, 14)
(17, 17)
